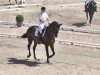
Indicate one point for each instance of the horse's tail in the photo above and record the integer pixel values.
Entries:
(24, 36)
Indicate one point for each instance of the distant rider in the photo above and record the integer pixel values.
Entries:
(87, 2)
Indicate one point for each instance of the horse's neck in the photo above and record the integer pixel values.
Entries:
(49, 32)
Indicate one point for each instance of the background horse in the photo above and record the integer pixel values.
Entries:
(15, 1)
(90, 11)
(48, 39)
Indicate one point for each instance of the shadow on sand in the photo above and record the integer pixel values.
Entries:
(24, 62)
(79, 24)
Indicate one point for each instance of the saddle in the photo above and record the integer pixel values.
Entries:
(40, 35)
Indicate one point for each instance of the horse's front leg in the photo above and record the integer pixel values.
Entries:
(29, 44)
(52, 48)
(87, 16)
(34, 48)
(47, 53)
(91, 17)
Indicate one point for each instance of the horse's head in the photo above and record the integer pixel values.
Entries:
(55, 27)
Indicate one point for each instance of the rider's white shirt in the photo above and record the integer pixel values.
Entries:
(43, 16)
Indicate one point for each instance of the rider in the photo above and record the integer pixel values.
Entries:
(43, 21)
(87, 2)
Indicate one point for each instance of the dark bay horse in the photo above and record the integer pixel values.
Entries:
(15, 1)
(90, 11)
(48, 39)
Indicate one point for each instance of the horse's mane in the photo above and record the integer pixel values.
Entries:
(54, 23)
(54, 28)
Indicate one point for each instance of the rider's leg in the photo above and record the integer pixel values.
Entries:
(40, 30)
(36, 31)
(43, 32)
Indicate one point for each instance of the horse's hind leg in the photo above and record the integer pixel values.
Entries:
(47, 53)
(29, 44)
(91, 16)
(34, 48)
(52, 48)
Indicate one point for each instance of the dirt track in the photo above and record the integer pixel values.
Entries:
(71, 60)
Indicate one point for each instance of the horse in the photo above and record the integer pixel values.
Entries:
(15, 1)
(90, 11)
(51, 32)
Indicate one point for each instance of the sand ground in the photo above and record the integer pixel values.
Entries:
(71, 60)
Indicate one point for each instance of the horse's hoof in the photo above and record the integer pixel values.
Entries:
(51, 56)
(35, 58)
(48, 62)
(91, 24)
(28, 56)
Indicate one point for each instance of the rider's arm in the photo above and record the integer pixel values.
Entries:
(41, 20)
